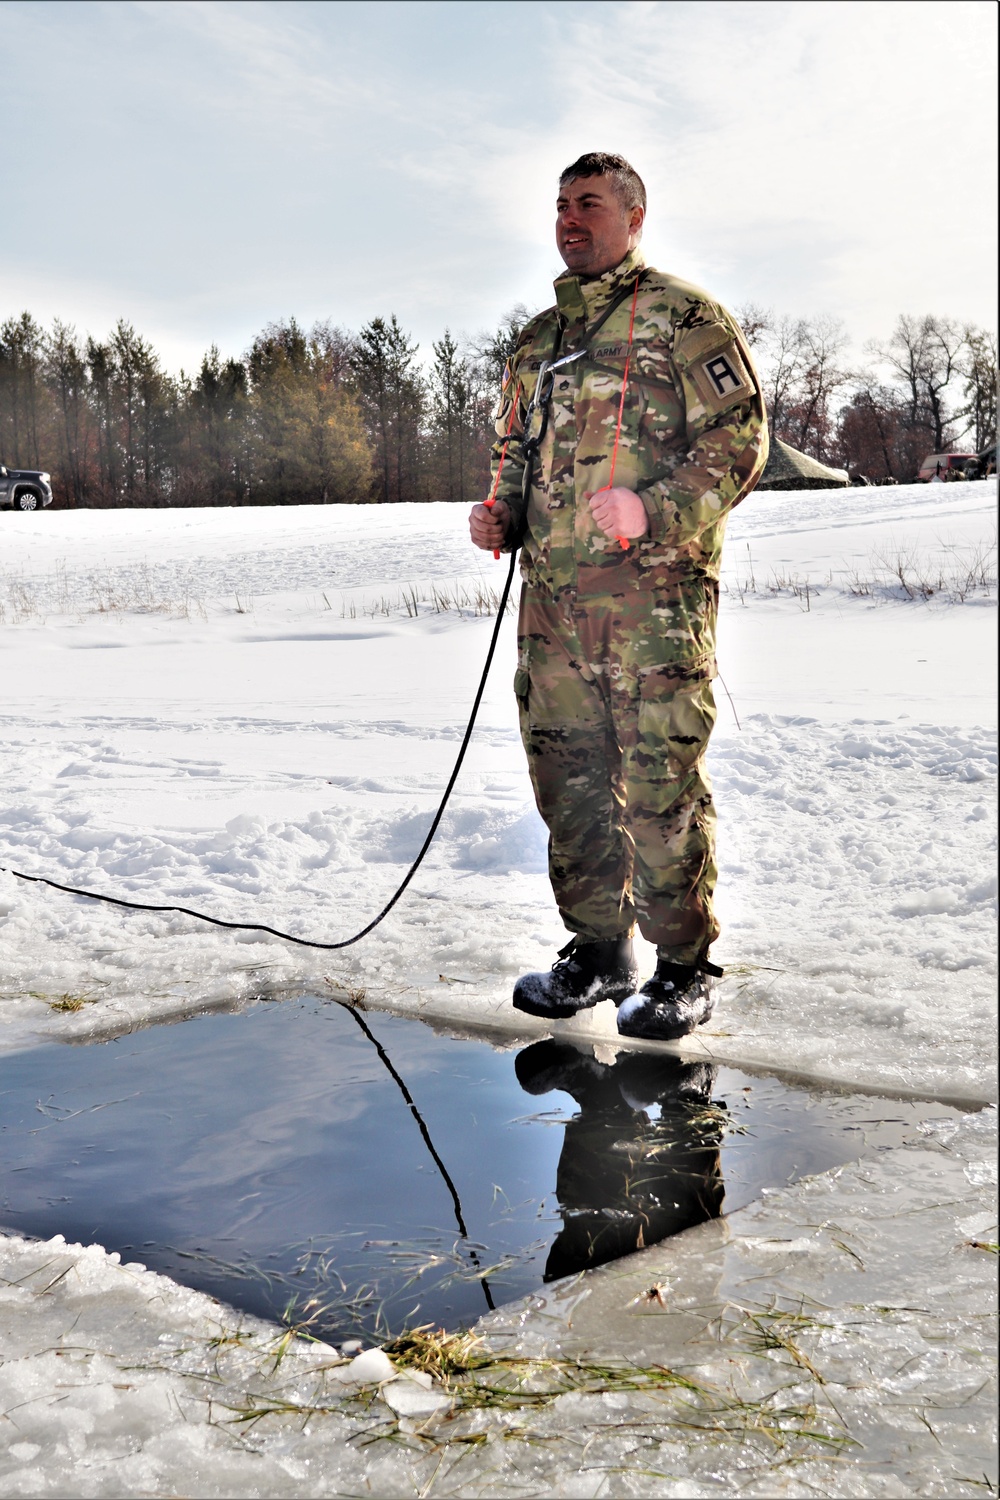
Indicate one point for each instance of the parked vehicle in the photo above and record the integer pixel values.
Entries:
(942, 464)
(24, 489)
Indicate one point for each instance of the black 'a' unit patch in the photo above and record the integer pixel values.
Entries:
(722, 375)
(725, 379)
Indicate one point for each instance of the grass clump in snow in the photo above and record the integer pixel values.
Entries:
(902, 573)
(68, 1003)
(776, 1330)
(19, 603)
(437, 1353)
(785, 1425)
(133, 591)
(955, 575)
(480, 1382)
(112, 591)
(476, 600)
(355, 994)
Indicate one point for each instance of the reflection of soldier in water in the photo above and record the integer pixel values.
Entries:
(626, 1180)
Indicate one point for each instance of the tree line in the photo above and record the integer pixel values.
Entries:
(314, 416)
(324, 415)
(928, 388)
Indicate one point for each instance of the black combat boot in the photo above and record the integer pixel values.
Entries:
(676, 1000)
(583, 974)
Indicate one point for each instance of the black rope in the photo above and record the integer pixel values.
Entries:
(446, 1175)
(288, 937)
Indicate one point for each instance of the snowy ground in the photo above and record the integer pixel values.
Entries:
(223, 733)
(235, 710)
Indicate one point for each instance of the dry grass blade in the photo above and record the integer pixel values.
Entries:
(476, 600)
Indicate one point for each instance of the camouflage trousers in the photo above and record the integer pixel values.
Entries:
(615, 720)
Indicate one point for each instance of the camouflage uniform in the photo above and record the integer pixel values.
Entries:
(617, 647)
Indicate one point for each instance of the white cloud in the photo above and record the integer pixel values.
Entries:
(205, 166)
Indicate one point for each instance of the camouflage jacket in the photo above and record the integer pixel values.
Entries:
(693, 436)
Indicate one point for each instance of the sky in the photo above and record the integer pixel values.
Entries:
(200, 168)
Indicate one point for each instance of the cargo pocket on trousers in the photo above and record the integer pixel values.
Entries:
(554, 698)
(674, 726)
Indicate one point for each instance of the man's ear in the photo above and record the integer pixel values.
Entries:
(636, 218)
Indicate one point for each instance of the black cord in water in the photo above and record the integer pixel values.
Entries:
(288, 937)
(449, 1184)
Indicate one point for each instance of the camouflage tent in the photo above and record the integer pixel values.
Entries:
(788, 469)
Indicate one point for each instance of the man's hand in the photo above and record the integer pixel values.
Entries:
(487, 527)
(619, 512)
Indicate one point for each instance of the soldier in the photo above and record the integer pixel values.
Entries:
(630, 422)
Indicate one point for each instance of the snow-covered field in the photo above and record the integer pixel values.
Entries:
(245, 711)
(240, 727)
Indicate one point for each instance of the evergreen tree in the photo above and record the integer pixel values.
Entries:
(66, 374)
(219, 410)
(307, 438)
(393, 397)
(22, 391)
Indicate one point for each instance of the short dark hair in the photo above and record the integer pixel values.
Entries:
(624, 178)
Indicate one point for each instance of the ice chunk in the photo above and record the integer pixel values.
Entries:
(410, 1400)
(370, 1367)
(24, 1452)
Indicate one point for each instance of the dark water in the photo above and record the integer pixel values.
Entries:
(367, 1173)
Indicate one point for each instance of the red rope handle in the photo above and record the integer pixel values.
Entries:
(623, 542)
(496, 483)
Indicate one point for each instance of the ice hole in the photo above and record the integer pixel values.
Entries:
(361, 1173)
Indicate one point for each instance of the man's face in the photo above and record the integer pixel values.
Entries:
(593, 230)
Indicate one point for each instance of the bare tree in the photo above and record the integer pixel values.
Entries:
(925, 355)
(809, 409)
(493, 349)
(874, 436)
(755, 322)
(782, 349)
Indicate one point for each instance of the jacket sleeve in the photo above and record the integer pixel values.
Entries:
(725, 431)
(507, 461)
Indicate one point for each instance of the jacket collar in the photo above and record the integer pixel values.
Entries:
(584, 298)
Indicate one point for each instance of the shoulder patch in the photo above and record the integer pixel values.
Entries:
(727, 375)
(711, 358)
